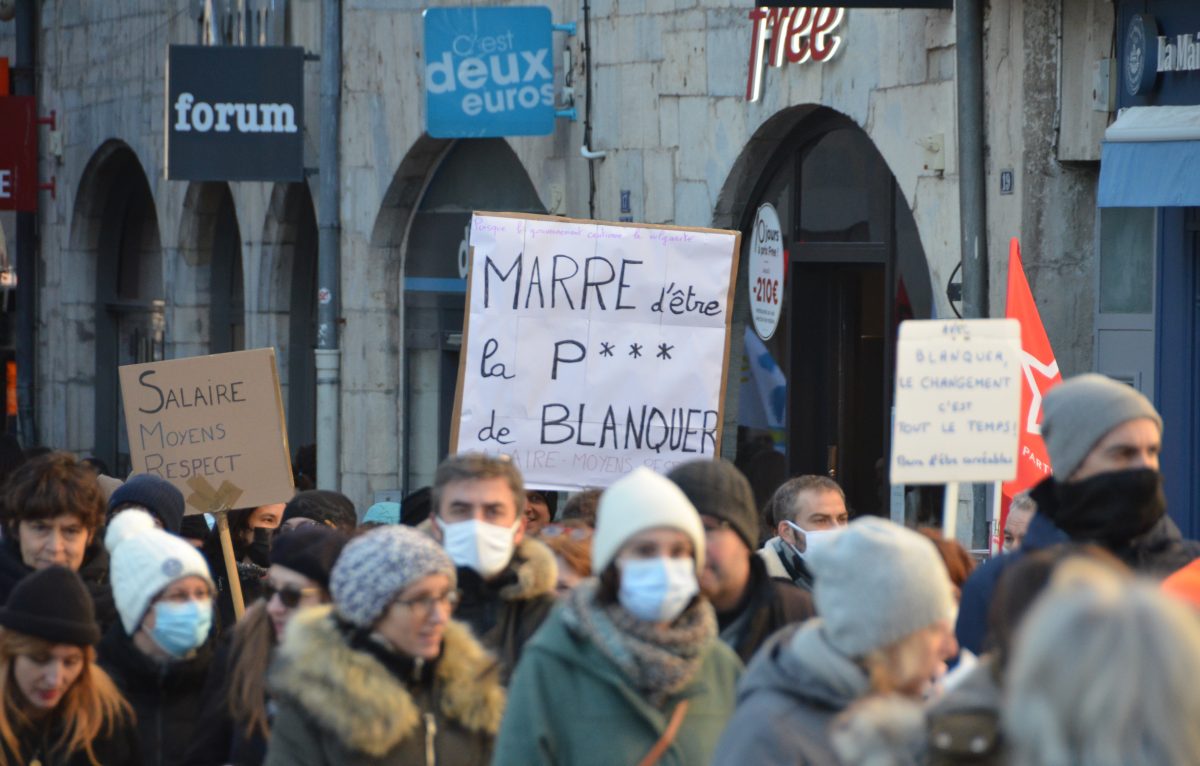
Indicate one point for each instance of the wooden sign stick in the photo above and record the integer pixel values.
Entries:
(235, 582)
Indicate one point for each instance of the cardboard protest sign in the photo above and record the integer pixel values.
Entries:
(211, 425)
(591, 348)
(958, 396)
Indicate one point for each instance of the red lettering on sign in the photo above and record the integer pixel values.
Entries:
(801, 34)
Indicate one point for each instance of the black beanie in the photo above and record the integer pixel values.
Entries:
(158, 496)
(310, 550)
(54, 605)
(718, 489)
(324, 506)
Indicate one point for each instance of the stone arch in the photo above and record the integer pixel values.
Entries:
(286, 302)
(116, 254)
(207, 307)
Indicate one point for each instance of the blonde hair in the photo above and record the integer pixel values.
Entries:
(899, 666)
(91, 708)
(1084, 647)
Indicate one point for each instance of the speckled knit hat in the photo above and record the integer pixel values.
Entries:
(376, 567)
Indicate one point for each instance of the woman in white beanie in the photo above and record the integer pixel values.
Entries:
(384, 676)
(158, 654)
(629, 669)
(885, 625)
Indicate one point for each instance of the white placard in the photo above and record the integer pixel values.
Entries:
(766, 270)
(958, 398)
(593, 348)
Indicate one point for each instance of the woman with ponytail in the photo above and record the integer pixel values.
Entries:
(59, 708)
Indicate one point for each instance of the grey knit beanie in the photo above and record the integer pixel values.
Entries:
(876, 582)
(1077, 413)
(376, 567)
(718, 489)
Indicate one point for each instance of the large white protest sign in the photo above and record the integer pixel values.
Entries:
(592, 348)
(958, 397)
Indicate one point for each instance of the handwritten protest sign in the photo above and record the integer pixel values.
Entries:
(958, 395)
(211, 425)
(592, 348)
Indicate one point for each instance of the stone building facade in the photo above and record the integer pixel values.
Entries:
(861, 147)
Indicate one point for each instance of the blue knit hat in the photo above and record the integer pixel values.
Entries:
(376, 567)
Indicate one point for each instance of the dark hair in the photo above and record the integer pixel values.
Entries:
(582, 506)
(325, 506)
(49, 486)
(415, 507)
(1020, 585)
(784, 500)
(470, 466)
(608, 584)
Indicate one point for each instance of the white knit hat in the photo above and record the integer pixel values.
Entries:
(876, 582)
(640, 501)
(144, 560)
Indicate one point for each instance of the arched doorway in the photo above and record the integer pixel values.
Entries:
(855, 269)
(116, 220)
(288, 295)
(478, 174)
(207, 288)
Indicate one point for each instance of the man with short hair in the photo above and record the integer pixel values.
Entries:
(805, 510)
(1016, 524)
(750, 604)
(539, 510)
(1103, 438)
(507, 579)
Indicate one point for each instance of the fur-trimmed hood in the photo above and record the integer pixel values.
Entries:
(536, 571)
(350, 693)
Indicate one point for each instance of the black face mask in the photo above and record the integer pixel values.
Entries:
(1110, 508)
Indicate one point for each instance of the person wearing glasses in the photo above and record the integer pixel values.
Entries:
(158, 654)
(384, 675)
(629, 668)
(235, 723)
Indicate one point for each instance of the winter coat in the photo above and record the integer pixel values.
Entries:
(569, 704)
(93, 572)
(794, 688)
(219, 740)
(1157, 553)
(253, 560)
(768, 605)
(784, 564)
(505, 611)
(165, 696)
(117, 748)
(342, 706)
(964, 725)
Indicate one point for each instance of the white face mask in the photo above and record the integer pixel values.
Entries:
(657, 590)
(486, 548)
(817, 538)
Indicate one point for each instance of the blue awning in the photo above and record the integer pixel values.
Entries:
(1151, 158)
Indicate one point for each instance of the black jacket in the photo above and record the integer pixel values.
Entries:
(119, 748)
(220, 740)
(768, 605)
(94, 573)
(165, 696)
(253, 560)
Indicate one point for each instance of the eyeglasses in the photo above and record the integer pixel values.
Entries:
(578, 534)
(423, 606)
(289, 595)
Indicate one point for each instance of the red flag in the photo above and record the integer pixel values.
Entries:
(1039, 371)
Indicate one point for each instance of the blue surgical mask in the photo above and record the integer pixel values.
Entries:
(659, 589)
(181, 628)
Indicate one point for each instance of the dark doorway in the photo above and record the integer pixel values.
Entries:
(227, 313)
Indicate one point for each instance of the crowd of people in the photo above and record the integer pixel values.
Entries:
(666, 619)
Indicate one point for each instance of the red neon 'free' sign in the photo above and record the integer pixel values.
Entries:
(799, 34)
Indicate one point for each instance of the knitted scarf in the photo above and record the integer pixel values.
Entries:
(659, 662)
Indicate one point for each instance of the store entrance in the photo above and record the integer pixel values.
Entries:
(839, 374)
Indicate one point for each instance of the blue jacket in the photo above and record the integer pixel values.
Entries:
(1157, 553)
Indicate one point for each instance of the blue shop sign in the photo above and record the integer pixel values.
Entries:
(1158, 50)
(489, 72)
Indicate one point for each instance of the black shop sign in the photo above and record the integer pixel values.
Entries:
(235, 113)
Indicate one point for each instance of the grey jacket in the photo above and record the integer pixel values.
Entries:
(794, 688)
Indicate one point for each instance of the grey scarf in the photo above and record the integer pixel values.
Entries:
(658, 662)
